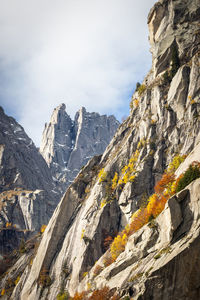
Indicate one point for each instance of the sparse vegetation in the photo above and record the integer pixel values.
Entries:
(192, 173)
(102, 175)
(118, 245)
(129, 172)
(164, 189)
(175, 64)
(42, 229)
(44, 278)
(141, 89)
(63, 296)
(97, 270)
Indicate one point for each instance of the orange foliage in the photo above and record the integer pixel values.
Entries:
(108, 260)
(164, 183)
(138, 220)
(107, 241)
(155, 205)
(79, 296)
(164, 189)
(103, 294)
(97, 270)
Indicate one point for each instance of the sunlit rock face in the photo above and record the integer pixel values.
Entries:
(68, 145)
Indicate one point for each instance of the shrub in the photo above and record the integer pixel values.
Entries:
(141, 89)
(8, 225)
(164, 189)
(43, 227)
(107, 241)
(97, 270)
(108, 260)
(103, 203)
(115, 181)
(3, 291)
(175, 62)
(136, 102)
(17, 280)
(192, 173)
(63, 296)
(166, 77)
(44, 278)
(22, 248)
(102, 175)
(118, 245)
(79, 296)
(103, 294)
(165, 183)
(177, 160)
(129, 171)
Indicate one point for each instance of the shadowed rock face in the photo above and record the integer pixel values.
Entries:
(160, 261)
(20, 163)
(26, 185)
(68, 145)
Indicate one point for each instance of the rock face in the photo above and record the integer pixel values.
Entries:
(20, 163)
(68, 145)
(26, 185)
(159, 261)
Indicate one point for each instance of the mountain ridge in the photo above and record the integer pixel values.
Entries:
(68, 144)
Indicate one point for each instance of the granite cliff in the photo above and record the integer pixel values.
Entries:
(159, 260)
(67, 145)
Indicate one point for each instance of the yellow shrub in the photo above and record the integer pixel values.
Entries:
(141, 89)
(118, 245)
(177, 160)
(102, 175)
(136, 102)
(43, 227)
(8, 225)
(17, 280)
(129, 171)
(115, 181)
(103, 203)
(3, 291)
(85, 274)
(82, 233)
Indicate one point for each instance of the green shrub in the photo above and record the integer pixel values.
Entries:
(166, 77)
(192, 173)
(62, 296)
(175, 61)
(141, 89)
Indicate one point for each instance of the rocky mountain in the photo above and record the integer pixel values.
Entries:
(143, 186)
(27, 189)
(68, 145)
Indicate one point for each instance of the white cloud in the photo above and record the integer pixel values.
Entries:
(83, 53)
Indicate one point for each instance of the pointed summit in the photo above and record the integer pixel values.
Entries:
(68, 145)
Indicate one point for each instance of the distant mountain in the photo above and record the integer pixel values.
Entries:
(67, 145)
(27, 189)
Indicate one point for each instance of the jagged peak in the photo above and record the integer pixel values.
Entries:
(62, 106)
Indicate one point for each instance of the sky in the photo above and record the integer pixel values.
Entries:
(85, 53)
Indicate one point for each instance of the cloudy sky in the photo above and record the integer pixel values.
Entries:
(81, 52)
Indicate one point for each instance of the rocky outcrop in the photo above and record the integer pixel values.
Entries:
(21, 164)
(68, 145)
(161, 259)
(27, 188)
